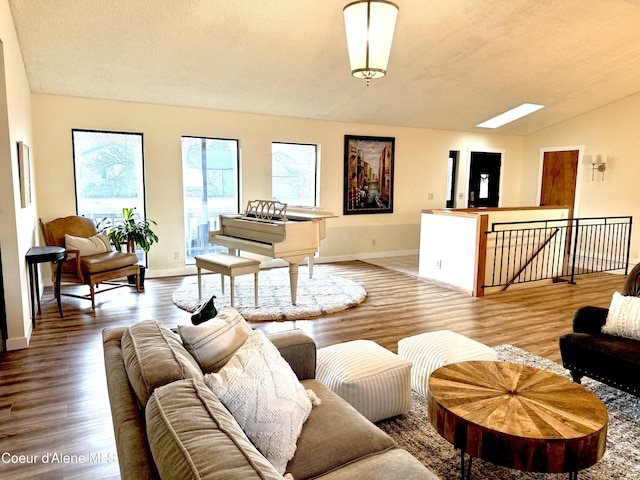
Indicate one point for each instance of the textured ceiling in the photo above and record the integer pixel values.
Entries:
(454, 63)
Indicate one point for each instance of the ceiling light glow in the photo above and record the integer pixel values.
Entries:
(513, 114)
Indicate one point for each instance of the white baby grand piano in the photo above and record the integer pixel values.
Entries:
(268, 228)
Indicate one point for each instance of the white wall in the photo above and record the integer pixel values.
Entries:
(17, 225)
(421, 158)
(448, 249)
(611, 130)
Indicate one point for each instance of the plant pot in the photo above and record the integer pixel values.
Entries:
(132, 278)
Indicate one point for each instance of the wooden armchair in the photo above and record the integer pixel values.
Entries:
(90, 258)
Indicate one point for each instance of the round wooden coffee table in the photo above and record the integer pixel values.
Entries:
(517, 416)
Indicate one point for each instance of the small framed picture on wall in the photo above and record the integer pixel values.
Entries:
(368, 174)
(24, 167)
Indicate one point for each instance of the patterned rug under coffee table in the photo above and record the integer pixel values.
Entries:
(320, 295)
(414, 433)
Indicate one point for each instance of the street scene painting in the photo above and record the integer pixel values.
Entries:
(368, 172)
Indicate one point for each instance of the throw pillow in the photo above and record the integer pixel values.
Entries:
(264, 395)
(88, 246)
(214, 342)
(623, 318)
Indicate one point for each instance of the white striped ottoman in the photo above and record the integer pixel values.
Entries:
(375, 381)
(432, 350)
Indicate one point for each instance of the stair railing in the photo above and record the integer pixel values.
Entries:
(531, 251)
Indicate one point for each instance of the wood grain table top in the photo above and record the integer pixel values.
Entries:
(518, 416)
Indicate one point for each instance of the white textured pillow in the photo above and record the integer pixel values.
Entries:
(214, 342)
(265, 397)
(623, 318)
(88, 246)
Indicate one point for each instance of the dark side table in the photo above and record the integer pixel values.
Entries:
(37, 255)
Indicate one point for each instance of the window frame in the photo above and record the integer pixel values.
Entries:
(73, 156)
(190, 260)
(316, 168)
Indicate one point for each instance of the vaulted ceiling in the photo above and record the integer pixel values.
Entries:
(454, 63)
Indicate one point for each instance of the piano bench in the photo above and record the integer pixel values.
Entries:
(229, 265)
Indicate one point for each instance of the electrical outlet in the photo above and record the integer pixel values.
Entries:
(373, 242)
(438, 264)
(429, 196)
(176, 255)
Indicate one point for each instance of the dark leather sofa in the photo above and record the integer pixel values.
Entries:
(587, 352)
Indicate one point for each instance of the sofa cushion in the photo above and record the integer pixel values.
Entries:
(391, 465)
(214, 342)
(153, 356)
(623, 319)
(192, 435)
(334, 435)
(265, 397)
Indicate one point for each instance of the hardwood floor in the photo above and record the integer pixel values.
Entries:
(54, 409)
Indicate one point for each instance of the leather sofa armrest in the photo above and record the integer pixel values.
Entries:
(589, 319)
(299, 350)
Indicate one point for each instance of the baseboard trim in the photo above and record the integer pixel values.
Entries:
(17, 343)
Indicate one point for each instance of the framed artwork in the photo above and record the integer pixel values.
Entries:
(368, 174)
(24, 167)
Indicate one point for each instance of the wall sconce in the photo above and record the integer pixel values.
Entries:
(599, 163)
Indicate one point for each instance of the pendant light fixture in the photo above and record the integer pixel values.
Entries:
(369, 25)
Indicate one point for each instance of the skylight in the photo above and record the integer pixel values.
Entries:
(513, 114)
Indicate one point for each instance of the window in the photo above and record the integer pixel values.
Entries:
(210, 183)
(109, 174)
(484, 186)
(293, 173)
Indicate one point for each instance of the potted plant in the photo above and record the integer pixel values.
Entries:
(133, 233)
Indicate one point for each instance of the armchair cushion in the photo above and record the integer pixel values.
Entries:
(88, 246)
(103, 262)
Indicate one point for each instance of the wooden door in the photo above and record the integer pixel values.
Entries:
(484, 179)
(559, 175)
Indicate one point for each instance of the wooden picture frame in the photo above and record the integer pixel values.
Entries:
(24, 168)
(368, 174)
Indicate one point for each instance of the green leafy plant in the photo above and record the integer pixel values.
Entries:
(132, 232)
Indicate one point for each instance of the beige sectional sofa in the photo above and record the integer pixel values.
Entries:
(168, 424)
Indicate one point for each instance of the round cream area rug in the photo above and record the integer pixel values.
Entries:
(316, 296)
